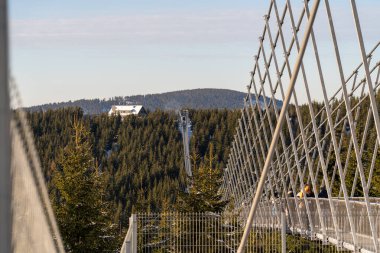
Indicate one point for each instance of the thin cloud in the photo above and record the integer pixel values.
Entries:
(229, 26)
(204, 27)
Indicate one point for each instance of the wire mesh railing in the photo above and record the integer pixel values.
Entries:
(220, 233)
(300, 222)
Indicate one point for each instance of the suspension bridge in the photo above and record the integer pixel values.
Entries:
(302, 166)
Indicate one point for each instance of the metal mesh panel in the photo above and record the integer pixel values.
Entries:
(214, 232)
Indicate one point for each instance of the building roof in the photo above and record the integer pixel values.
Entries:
(131, 109)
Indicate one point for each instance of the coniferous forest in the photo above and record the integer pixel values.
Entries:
(139, 158)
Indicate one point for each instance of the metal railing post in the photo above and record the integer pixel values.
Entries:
(283, 232)
(134, 233)
(5, 139)
(127, 247)
(278, 129)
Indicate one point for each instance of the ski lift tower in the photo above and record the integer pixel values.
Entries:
(185, 128)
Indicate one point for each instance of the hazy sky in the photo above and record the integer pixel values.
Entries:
(70, 49)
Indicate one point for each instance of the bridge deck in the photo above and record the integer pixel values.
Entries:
(330, 224)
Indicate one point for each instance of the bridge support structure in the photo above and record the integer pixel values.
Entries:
(308, 134)
(276, 135)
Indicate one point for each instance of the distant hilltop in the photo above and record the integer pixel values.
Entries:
(192, 99)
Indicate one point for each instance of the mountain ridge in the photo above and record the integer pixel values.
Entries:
(205, 98)
(193, 99)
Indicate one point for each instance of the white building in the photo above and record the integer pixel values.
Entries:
(126, 110)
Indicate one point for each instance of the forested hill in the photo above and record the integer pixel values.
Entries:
(193, 99)
(140, 158)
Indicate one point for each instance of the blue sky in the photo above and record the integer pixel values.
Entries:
(72, 49)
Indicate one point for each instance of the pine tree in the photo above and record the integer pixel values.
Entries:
(203, 194)
(78, 201)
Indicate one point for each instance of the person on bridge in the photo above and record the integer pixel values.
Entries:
(323, 193)
(309, 193)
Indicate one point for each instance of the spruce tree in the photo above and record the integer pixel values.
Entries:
(81, 211)
(203, 194)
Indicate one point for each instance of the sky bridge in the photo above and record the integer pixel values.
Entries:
(302, 177)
